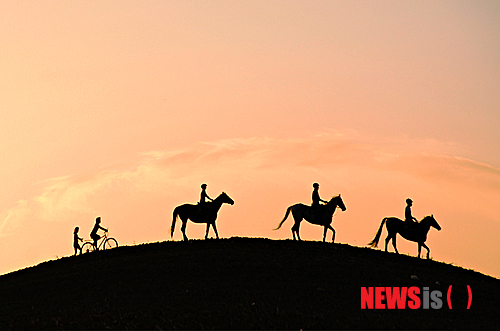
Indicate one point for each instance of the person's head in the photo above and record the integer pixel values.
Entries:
(203, 186)
(76, 230)
(409, 202)
(316, 185)
(98, 220)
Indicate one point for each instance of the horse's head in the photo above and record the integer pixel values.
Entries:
(226, 199)
(432, 222)
(338, 201)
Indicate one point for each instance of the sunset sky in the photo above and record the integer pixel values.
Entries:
(121, 109)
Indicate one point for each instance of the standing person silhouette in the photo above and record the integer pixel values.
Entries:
(315, 196)
(204, 195)
(408, 217)
(94, 234)
(76, 240)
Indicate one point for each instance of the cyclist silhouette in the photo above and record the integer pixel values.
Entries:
(76, 240)
(94, 234)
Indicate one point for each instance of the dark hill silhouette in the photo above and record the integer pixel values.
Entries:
(238, 283)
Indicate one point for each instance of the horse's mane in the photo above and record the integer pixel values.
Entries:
(334, 197)
(426, 218)
(220, 195)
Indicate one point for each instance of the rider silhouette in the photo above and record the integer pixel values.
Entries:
(94, 234)
(408, 217)
(315, 196)
(203, 196)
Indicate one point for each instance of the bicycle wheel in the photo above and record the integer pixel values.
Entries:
(87, 247)
(110, 243)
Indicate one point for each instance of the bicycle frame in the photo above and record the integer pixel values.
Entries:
(102, 240)
(101, 244)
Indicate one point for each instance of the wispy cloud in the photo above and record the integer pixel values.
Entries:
(264, 176)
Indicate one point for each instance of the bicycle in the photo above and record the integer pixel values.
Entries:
(105, 241)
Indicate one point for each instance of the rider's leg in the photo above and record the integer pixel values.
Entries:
(96, 238)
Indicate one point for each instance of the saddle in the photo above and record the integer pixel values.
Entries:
(204, 207)
(316, 211)
(412, 227)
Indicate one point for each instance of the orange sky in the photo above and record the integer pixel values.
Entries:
(121, 110)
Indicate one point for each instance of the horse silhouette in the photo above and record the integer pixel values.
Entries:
(413, 231)
(206, 213)
(320, 215)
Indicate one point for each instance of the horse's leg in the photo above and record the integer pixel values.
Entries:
(333, 232)
(183, 229)
(296, 227)
(419, 249)
(206, 233)
(427, 248)
(394, 243)
(215, 230)
(295, 230)
(387, 241)
(324, 232)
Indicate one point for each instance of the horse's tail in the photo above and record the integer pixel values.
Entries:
(176, 212)
(375, 240)
(284, 218)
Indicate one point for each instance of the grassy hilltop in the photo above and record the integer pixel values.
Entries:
(238, 283)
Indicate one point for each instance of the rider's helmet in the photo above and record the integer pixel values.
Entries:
(203, 186)
(98, 220)
(408, 201)
(315, 185)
